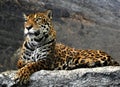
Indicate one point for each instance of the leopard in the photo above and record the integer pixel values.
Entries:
(41, 51)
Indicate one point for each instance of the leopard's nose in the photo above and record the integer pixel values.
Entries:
(29, 27)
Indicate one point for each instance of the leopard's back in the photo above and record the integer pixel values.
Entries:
(71, 58)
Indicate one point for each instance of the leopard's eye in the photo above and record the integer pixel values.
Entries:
(38, 19)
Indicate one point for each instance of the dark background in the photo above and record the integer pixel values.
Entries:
(83, 24)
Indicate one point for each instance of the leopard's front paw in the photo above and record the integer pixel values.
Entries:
(22, 76)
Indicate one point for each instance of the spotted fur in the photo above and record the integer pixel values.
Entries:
(40, 50)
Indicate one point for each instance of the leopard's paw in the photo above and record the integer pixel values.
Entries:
(22, 77)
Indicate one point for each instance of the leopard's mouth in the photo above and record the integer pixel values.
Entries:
(32, 33)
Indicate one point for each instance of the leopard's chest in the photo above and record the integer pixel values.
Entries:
(37, 54)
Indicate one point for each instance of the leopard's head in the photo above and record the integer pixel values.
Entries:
(38, 23)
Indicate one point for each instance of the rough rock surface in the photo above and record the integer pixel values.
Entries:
(89, 77)
(84, 24)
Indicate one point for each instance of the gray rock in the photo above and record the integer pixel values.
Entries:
(83, 24)
(6, 79)
(85, 77)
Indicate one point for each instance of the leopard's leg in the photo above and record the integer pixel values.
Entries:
(23, 74)
(20, 63)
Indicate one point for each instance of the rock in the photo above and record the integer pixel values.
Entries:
(85, 77)
(6, 79)
(83, 24)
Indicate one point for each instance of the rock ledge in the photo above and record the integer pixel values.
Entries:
(85, 77)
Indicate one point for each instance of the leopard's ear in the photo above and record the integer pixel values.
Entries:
(25, 16)
(49, 14)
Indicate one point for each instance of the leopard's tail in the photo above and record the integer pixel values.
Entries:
(114, 63)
